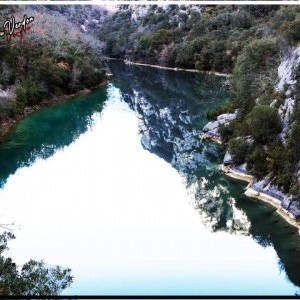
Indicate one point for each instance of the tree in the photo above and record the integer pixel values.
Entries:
(294, 141)
(265, 123)
(258, 162)
(291, 31)
(161, 37)
(238, 149)
(254, 72)
(33, 278)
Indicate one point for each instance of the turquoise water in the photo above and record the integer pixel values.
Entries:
(118, 186)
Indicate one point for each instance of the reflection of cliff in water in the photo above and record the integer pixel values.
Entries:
(171, 107)
(269, 229)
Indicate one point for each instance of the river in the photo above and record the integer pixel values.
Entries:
(118, 186)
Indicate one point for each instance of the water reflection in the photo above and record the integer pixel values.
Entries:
(119, 217)
(45, 132)
(131, 219)
(171, 107)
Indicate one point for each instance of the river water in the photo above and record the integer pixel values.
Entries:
(118, 186)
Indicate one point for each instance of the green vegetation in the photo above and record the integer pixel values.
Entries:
(257, 162)
(226, 107)
(31, 279)
(210, 38)
(264, 123)
(53, 59)
(246, 41)
(239, 149)
(255, 74)
(50, 62)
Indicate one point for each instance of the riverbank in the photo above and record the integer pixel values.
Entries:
(170, 68)
(214, 138)
(243, 176)
(253, 193)
(7, 126)
(250, 192)
(236, 174)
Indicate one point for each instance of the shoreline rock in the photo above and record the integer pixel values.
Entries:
(286, 206)
(236, 174)
(211, 128)
(269, 194)
(289, 217)
(211, 137)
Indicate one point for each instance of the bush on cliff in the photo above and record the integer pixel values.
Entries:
(257, 162)
(254, 73)
(265, 124)
(238, 149)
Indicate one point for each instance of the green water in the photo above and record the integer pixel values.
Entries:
(95, 184)
(49, 130)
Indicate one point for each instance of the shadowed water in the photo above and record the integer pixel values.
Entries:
(119, 186)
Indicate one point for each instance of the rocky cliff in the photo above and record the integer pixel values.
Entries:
(286, 87)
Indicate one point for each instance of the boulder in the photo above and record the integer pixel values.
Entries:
(212, 127)
(295, 209)
(292, 205)
(227, 159)
(286, 202)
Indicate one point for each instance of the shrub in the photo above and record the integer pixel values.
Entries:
(238, 148)
(226, 131)
(161, 37)
(226, 107)
(291, 31)
(265, 124)
(260, 11)
(257, 162)
(254, 72)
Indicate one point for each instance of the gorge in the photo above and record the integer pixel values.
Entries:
(136, 218)
(120, 184)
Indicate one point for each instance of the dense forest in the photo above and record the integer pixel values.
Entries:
(56, 57)
(248, 42)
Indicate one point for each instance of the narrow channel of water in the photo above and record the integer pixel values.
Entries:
(118, 186)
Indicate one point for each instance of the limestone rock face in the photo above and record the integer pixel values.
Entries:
(287, 67)
(295, 209)
(289, 203)
(6, 93)
(227, 158)
(286, 111)
(286, 75)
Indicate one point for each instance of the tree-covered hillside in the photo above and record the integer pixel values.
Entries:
(204, 37)
(249, 42)
(54, 58)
